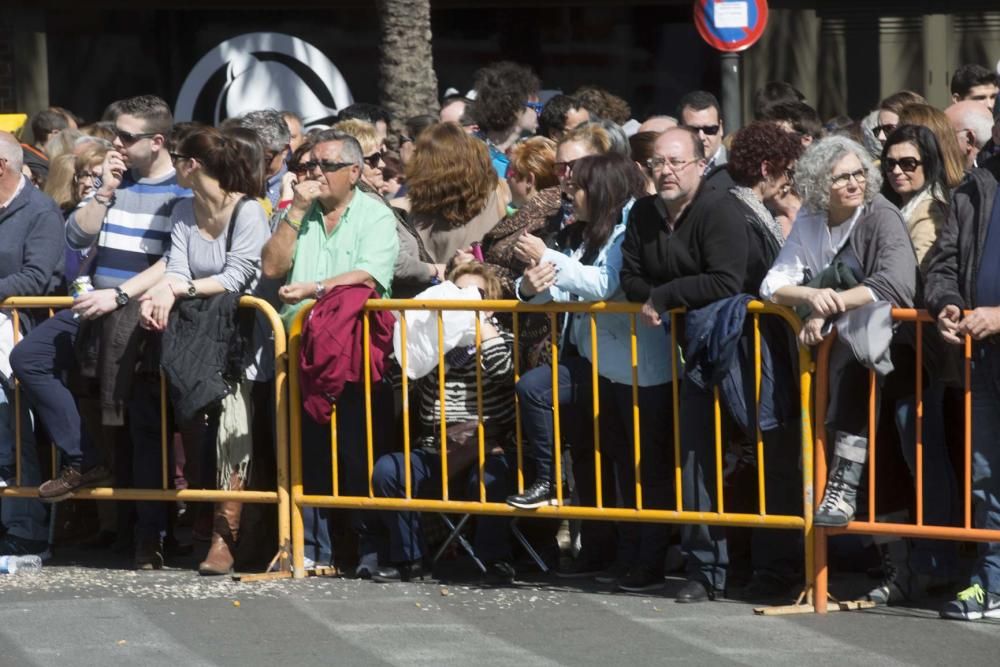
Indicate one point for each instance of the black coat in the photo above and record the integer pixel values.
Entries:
(711, 253)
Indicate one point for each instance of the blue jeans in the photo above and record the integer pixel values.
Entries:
(26, 518)
(534, 392)
(317, 464)
(405, 538)
(940, 486)
(986, 460)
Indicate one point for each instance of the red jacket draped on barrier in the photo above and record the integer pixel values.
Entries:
(332, 354)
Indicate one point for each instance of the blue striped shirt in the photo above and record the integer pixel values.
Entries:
(136, 229)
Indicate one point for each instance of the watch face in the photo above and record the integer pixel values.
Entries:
(121, 298)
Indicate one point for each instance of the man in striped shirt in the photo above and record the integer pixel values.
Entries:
(126, 227)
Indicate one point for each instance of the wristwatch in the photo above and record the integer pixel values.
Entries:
(320, 289)
(121, 297)
(191, 291)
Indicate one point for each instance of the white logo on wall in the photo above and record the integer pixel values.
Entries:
(263, 70)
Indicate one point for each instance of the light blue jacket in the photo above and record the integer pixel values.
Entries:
(599, 281)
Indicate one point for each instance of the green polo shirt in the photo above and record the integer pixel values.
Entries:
(364, 239)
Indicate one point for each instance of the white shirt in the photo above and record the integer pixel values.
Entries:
(17, 191)
(809, 249)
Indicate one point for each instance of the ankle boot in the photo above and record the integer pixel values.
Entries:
(225, 533)
(837, 508)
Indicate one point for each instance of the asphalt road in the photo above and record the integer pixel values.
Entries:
(84, 615)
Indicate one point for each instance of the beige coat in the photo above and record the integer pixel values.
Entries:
(924, 223)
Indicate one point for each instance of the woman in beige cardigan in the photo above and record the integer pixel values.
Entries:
(915, 182)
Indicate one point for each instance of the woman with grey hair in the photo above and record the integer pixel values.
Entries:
(848, 260)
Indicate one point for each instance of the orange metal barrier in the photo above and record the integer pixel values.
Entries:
(559, 509)
(280, 497)
(918, 529)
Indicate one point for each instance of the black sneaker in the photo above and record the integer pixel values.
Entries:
(12, 545)
(499, 573)
(149, 554)
(581, 568)
(535, 496)
(972, 604)
(613, 574)
(641, 579)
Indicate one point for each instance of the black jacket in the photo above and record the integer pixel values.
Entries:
(203, 352)
(712, 252)
(953, 261)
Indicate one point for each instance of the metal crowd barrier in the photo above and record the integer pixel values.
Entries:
(872, 526)
(559, 509)
(280, 497)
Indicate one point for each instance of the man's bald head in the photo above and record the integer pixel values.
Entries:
(11, 151)
(683, 134)
(657, 124)
(971, 116)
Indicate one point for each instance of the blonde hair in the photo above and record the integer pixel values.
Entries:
(59, 184)
(493, 289)
(535, 156)
(591, 134)
(363, 131)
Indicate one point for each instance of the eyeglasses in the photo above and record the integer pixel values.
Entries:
(907, 164)
(535, 106)
(325, 166)
(884, 129)
(841, 180)
(177, 157)
(87, 176)
(708, 130)
(129, 138)
(373, 159)
(564, 169)
(657, 163)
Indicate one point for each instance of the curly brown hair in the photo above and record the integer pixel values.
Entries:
(603, 104)
(450, 174)
(759, 142)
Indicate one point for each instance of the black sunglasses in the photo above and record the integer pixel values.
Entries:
(177, 156)
(907, 164)
(884, 129)
(128, 138)
(373, 159)
(709, 130)
(326, 166)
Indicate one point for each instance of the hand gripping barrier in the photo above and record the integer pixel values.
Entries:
(918, 529)
(559, 508)
(280, 496)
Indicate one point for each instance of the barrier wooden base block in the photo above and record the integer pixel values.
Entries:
(282, 559)
(806, 607)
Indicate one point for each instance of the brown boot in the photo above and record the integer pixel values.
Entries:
(225, 533)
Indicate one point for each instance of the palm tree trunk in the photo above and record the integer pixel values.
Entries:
(407, 82)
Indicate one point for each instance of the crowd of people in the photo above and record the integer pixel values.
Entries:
(156, 229)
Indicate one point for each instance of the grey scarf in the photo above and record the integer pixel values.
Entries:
(764, 217)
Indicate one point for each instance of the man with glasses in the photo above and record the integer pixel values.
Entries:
(333, 235)
(700, 112)
(31, 264)
(125, 224)
(682, 249)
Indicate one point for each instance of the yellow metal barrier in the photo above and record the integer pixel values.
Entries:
(280, 497)
(560, 509)
(918, 529)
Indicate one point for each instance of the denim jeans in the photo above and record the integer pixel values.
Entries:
(405, 538)
(26, 518)
(317, 464)
(639, 543)
(986, 460)
(939, 484)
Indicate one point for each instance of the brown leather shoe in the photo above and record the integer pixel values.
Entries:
(69, 481)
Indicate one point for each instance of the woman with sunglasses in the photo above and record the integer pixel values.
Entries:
(216, 243)
(846, 261)
(603, 188)
(916, 182)
(371, 148)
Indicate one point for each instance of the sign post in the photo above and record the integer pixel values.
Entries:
(731, 26)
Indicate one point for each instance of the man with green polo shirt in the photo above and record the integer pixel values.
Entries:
(332, 235)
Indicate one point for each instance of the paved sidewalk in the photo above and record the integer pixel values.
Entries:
(78, 615)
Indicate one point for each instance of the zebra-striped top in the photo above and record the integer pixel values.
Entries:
(460, 391)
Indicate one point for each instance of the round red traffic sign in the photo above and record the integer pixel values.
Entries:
(730, 25)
